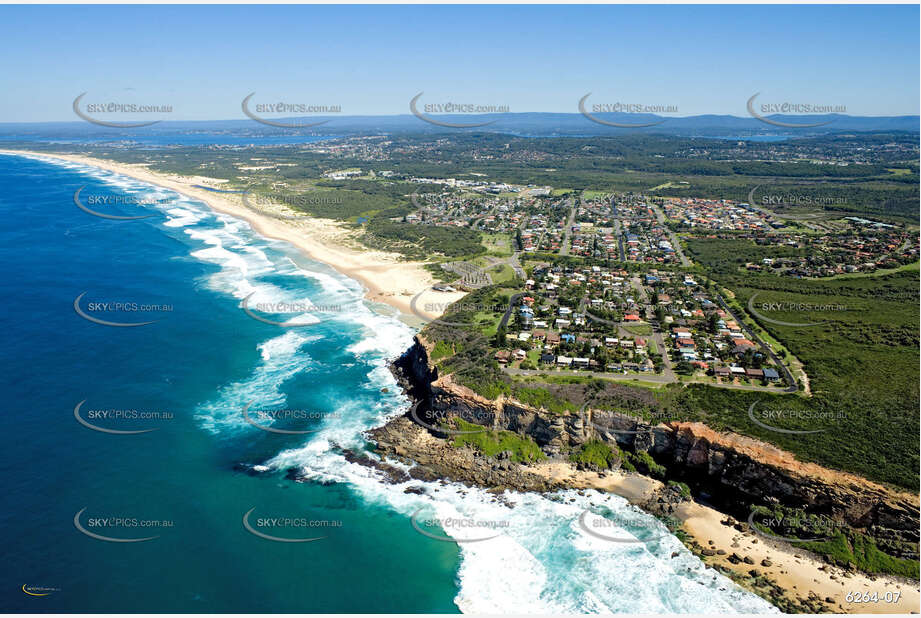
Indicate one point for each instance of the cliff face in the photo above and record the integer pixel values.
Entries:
(729, 471)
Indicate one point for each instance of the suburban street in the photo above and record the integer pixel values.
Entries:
(668, 376)
(657, 336)
(791, 381)
(564, 248)
(643, 377)
(671, 235)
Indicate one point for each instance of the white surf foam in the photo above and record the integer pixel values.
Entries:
(542, 562)
(281, 360)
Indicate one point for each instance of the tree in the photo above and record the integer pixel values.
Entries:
(712, 322)
(500, 337)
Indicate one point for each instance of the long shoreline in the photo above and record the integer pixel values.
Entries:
(404, 286)
(389, 280)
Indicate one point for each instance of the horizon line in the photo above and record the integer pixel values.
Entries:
(492, 115)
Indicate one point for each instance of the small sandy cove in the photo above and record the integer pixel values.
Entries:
(386, 276)
(795, 570)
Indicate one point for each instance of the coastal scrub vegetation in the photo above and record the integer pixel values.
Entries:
(520, 449)
(421, 241)
(596, 455)
(862, 364)
(839, 544)
(645, 464)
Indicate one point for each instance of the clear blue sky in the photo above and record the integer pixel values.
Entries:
(372, 59)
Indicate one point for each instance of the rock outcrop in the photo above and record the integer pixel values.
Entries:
(730, 471)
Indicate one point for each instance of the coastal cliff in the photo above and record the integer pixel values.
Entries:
(729, 472)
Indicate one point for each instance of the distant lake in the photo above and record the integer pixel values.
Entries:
(748, 138)
(159, 140)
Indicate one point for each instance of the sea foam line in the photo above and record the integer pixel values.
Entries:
(542, 563)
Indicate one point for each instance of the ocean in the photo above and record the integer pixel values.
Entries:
(193, 508)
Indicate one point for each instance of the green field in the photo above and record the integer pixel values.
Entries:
(499, 245)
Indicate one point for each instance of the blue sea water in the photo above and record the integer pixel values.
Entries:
(154, 139)
(190, 375)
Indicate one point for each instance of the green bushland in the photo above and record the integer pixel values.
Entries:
(596, 454)
(491, 443)
(420, 241)
(839, 544)
(325, 202)
(685, 490)
(727, 256)
(440, 350)
(644, 462)
(862, 362)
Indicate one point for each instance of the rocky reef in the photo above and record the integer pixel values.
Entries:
(730, 472)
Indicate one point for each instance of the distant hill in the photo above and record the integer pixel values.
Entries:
(525, 124)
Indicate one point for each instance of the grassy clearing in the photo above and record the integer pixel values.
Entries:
(499, 245)
(501, 273)
(640, 330)
(441, 350)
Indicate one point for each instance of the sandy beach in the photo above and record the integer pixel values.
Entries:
(406, 286)
(720, 540)
(795, 570)
(386, 276)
